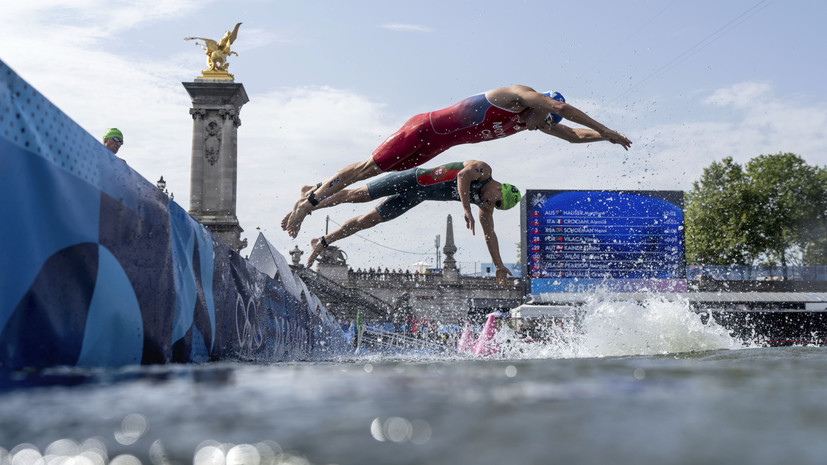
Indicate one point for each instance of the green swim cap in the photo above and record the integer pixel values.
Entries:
(113, 132)
(511, 196)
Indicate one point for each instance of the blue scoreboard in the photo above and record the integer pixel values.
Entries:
(620, 241)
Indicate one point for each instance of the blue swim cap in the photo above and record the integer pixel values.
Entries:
(555, 96)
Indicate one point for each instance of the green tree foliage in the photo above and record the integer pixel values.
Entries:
(716, 224)
(773, 211)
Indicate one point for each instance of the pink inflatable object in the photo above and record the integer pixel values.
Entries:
(484, 346)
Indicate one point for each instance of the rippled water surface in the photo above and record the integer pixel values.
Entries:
(693, 396)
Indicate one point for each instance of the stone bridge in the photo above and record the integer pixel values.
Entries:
(447, 298)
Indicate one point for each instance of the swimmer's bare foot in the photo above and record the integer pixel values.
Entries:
(285, 220)
(292, 222)
(317, 246)
(306, 190)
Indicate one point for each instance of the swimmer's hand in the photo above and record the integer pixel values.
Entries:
(469, 221)
(616, 138)
(502, 276)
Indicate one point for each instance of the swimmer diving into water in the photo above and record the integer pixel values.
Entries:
(468, 182)
(491, 115)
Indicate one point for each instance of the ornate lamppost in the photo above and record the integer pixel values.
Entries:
(161, 184)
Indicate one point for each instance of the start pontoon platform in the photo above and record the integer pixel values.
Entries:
(755, 301)
(772, 318)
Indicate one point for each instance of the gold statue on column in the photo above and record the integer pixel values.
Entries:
(217, 54)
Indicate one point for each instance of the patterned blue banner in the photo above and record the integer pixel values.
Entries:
(101, 269)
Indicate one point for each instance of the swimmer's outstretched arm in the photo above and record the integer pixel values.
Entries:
(573, 135)
(573, 114)
(519, 98)
(493, 244)
(472, 170)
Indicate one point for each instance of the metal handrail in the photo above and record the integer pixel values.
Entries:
(351, 293)
(378, 338)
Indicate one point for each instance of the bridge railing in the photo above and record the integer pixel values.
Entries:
(372, 304)
(374, 338)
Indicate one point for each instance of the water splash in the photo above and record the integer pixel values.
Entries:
(606, 328)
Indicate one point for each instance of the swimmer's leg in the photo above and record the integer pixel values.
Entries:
(358, 195)
(349, 227)
(346, 176)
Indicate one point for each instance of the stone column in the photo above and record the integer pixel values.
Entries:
(214, 167)
(449, 264)
(197, 163)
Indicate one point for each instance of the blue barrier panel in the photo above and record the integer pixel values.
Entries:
(101, 269)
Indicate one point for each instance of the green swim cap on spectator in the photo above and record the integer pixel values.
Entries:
(113, 132)
(511, 196)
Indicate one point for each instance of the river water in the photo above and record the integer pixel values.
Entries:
(640, 384)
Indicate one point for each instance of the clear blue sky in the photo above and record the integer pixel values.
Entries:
(688, 82)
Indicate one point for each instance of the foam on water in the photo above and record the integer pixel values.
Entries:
(608, 328)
